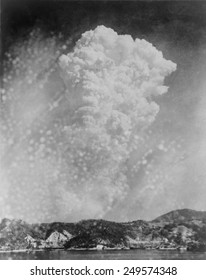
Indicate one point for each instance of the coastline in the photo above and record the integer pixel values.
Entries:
(96, 250)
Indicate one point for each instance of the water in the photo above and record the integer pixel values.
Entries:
(104, 255)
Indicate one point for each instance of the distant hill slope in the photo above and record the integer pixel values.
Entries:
(180, 229)
(182, 215)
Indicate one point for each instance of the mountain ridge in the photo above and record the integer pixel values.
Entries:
(182, 229)
(181, 214)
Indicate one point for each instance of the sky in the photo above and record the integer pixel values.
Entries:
(165, 172)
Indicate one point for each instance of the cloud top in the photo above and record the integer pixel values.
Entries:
(111, 79)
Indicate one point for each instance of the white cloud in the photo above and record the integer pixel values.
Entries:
(68, 158)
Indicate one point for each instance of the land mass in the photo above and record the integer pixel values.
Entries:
(183, 229)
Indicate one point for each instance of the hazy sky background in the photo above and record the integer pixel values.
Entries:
(172, 172)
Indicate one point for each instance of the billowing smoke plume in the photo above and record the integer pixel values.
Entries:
(69, 133)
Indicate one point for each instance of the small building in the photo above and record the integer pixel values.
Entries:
(100, 247)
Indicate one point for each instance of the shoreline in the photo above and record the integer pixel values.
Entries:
(96, 250)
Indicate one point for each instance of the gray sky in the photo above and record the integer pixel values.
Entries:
(172, 156)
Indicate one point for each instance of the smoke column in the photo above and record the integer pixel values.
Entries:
(70, 123)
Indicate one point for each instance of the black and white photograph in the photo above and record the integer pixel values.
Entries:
(103, 130)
